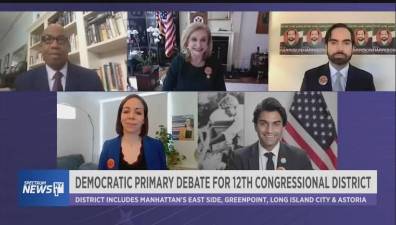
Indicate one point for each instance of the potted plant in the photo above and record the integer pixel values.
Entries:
(146, 65)
(145, 59)
(173, 157)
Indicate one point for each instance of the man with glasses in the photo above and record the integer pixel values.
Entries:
(58, 74)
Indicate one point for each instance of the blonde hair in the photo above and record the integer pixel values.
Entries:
(186, 36)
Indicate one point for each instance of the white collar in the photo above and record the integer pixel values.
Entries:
(274, 151)
(343, 71)
(51, 72)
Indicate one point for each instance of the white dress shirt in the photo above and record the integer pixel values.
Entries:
(263, 159)
(51, 72)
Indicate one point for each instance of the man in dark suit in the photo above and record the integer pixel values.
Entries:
(57, 74)
(338, 74)
(268, 153)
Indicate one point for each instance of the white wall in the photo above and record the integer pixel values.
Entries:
(286, 71)
(285, 98)
(184, 103)
(75, 136)
(248, 40)
(17, 36)
(215, 25)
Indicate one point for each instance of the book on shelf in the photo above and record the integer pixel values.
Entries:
(35, 59)
(73, 40)
(111, 76)
(34, 39)
(64, 18)
(120, 21)
(105, 26)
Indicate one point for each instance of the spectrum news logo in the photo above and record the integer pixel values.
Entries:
(41, 187)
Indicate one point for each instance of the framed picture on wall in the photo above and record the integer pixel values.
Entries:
(262, 23)
(199, 17)
(183, 127)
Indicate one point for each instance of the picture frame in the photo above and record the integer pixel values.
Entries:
(201, 17)
(262, 23)
(183, 127)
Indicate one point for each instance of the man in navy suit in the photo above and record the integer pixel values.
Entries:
(57, 74)
(269, 153)
(338, 74)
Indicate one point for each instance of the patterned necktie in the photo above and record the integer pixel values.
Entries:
(58, 81)
(270, 162)
(338, 82)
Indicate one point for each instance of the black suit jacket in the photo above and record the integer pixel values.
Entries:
(358, 80)
(248, 158)
(78, 79)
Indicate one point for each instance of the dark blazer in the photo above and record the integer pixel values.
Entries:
(78, 79)
(154, 153)
(182, 76)
(358, 80)
(248, 158)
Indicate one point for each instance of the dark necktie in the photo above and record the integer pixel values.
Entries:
(58, 81)
(270, 163)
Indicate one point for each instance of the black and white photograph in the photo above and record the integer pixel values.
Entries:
(220, 127)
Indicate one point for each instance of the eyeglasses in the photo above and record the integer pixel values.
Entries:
(48, 39)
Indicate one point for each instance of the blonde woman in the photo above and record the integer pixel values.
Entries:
(195, 69)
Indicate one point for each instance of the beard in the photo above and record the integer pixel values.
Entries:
(339, 60)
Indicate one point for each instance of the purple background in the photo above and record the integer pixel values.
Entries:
(367, 141)
(366, 131)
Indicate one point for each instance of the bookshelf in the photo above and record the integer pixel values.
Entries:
(98, 41)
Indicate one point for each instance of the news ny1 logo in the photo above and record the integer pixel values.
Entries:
(43, 188)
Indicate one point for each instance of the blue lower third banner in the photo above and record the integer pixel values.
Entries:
(43, 188)
(197, 188)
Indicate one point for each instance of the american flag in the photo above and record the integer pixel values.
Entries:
(165, 22)
(312, 128)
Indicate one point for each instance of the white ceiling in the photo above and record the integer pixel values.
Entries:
(7, 19)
